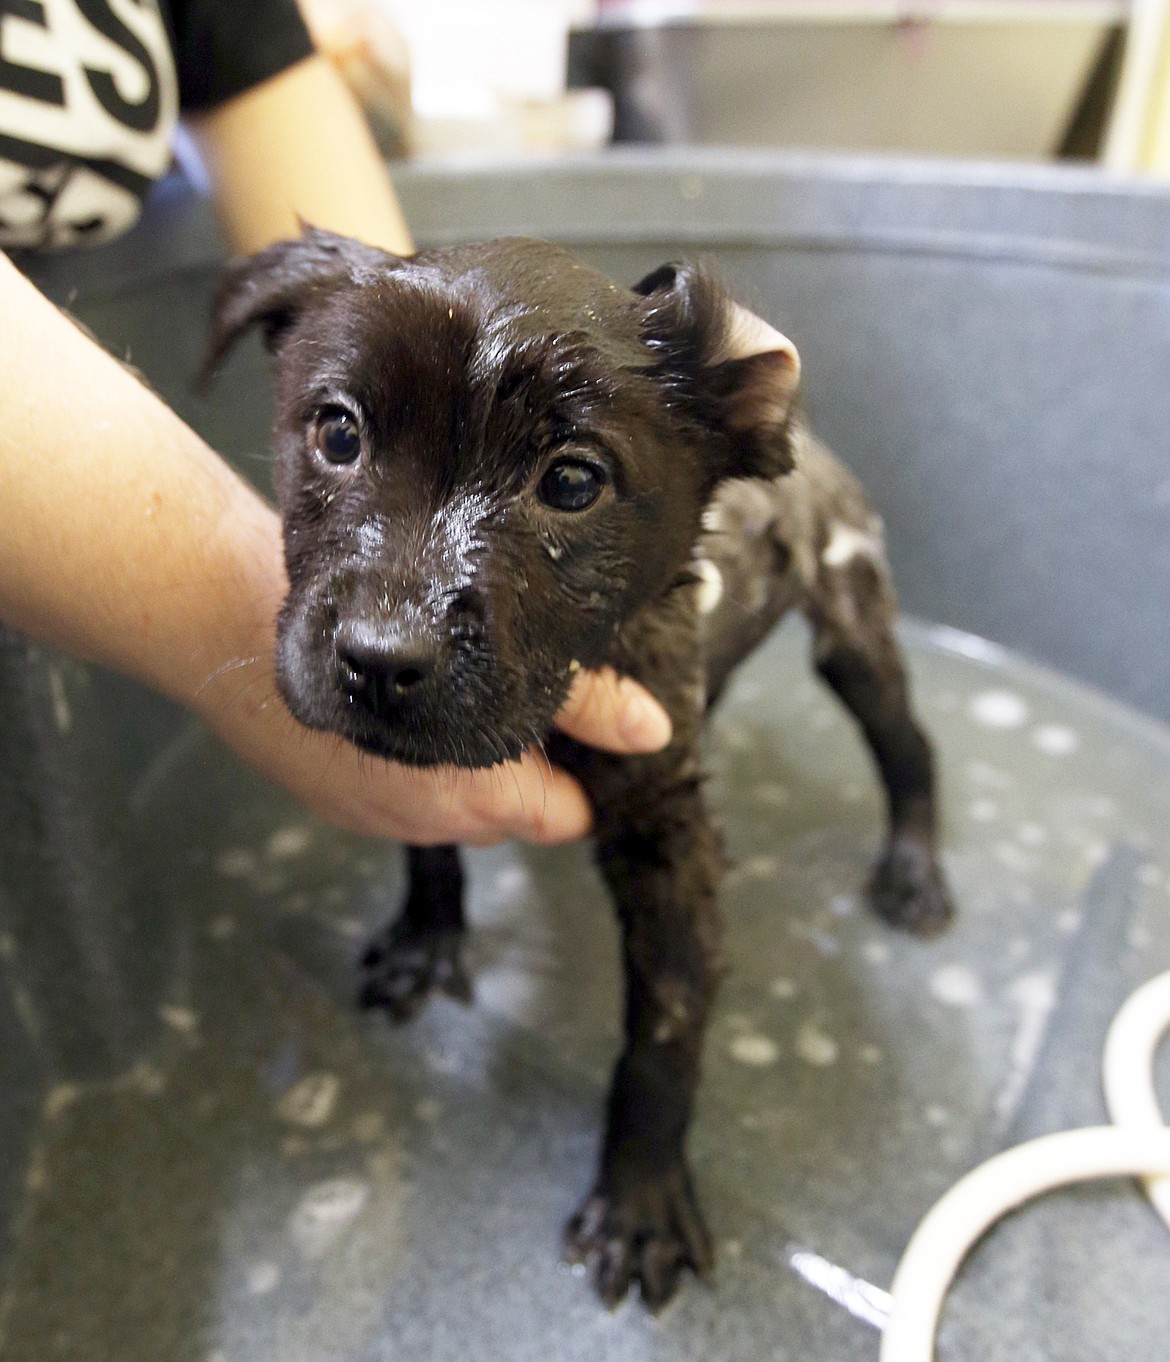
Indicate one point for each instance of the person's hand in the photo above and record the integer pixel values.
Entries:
(527, 799)
(131, 543)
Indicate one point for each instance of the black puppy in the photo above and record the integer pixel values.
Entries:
(495, 466)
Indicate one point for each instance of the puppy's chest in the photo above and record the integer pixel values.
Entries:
(660, 647)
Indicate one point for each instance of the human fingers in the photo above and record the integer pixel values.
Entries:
(614, 713)
(526, 799)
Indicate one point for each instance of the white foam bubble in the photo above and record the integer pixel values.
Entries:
(816, 1047)
(262, 1278)
(179, 1018)
(998, 709)
(286, 842)
(324, 1214)
(1055, 740)
(754, 1049)
(309, 1103)
(956, 986)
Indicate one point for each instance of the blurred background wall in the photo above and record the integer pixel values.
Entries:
(982, 79)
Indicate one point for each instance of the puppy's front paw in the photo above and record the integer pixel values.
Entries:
(648, 1235)
(402, 968)
(907, 888)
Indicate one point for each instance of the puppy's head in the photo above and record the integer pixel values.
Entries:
(487, 458)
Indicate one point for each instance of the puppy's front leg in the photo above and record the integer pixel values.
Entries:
(642, 1223)
(420, 952)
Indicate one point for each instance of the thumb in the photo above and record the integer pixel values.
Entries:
(614, 713)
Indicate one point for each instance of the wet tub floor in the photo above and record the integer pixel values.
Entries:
(273, 1175)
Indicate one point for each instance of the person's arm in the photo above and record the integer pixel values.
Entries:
(297, 148)
(131, 543)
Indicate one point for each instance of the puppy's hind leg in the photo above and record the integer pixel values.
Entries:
(852, 612)
(420, 952)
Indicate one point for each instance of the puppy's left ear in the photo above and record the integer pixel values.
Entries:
(739, 375)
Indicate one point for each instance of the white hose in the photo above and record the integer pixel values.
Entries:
(1128, 1071)
(1139, 1145)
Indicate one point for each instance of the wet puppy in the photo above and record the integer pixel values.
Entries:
(495, 467)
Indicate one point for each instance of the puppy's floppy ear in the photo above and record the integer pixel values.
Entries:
(272, 287)
(739, 375)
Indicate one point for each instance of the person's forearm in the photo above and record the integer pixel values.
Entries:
(125, 538)
(297, 148)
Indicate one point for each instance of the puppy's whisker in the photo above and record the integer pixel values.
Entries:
(502, 763)
(538, 748)
(233, 664)
(519, 789)
(544, 766)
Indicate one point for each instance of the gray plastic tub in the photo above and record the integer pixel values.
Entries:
(207, 1153)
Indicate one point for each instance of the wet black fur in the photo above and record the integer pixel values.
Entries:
(467, 371)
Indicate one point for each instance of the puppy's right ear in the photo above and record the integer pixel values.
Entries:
(273, 287)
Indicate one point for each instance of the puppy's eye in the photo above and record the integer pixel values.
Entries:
(338, 439)
(571, 485)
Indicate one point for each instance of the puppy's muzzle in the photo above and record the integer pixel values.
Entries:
(384, 668)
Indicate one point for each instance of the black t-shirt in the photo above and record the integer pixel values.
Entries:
(90, 92)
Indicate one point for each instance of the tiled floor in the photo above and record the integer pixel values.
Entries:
(261, 1173)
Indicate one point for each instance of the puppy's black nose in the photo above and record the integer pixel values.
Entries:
(382, 668)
